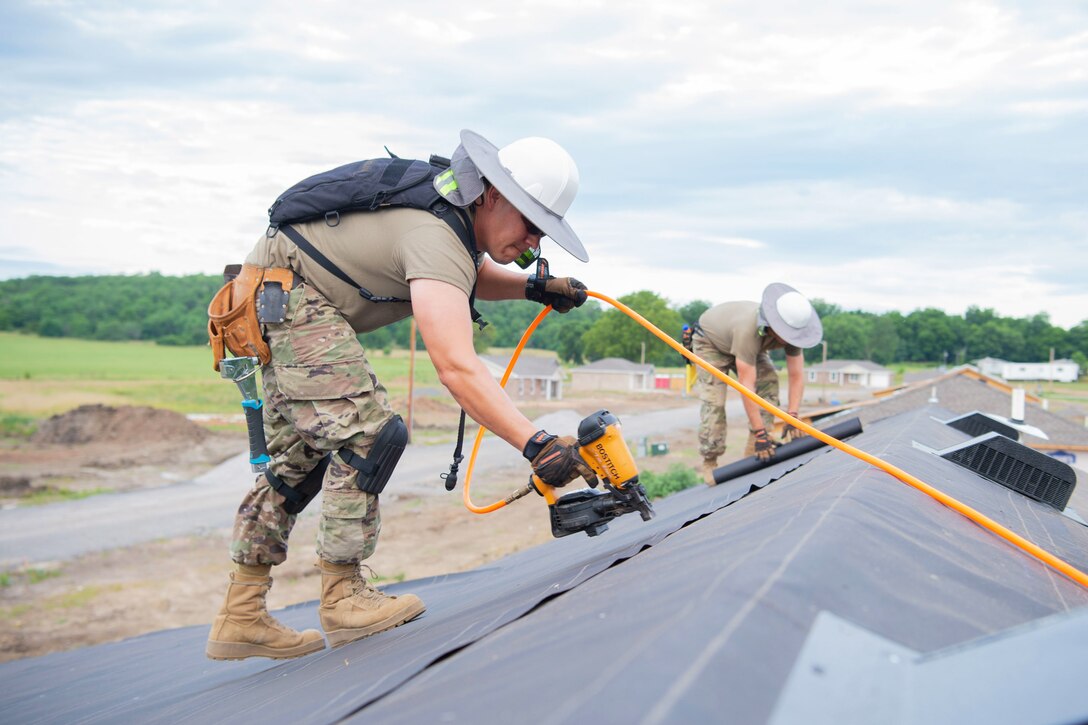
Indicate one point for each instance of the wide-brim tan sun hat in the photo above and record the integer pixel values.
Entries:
(791, 316)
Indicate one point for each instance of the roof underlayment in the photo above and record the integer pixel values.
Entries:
(836, 594)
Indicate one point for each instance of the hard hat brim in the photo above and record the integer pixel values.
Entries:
(802, 337)
(485, 155)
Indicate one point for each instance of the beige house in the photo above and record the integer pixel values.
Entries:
(534, 377)
(613, 373)
(849, 372)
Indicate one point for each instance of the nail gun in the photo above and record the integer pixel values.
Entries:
(601, 445)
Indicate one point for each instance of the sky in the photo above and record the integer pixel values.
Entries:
(876, 155)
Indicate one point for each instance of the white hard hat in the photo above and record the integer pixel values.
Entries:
(544, 169)
(791, 316)
(534, 174)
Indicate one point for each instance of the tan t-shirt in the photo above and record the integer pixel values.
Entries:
(733, 327)
(382, 251)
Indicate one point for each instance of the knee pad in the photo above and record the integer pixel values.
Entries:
(300, 496)
(376, 468)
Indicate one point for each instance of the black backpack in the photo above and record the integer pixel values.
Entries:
(368, 186)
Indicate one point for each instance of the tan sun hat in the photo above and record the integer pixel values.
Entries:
(791, 316)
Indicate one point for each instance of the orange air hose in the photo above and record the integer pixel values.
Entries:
(480, 433)
(976, 516)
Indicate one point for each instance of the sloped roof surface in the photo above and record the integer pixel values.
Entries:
(962, 394)
(699, 615)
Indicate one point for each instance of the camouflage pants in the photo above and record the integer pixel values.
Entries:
(712, 393)
(320, 395)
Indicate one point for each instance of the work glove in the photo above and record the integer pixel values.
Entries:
(686, 339)
(556, 461)
(790, 433)
(562, 293)
(764, 445)
(687, 336)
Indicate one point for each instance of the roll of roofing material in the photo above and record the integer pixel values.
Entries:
(786, 451)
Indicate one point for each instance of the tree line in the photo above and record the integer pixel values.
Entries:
(173, 311)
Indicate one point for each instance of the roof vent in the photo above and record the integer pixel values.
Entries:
(977, 423)
(1019, 404)
(1015, 466)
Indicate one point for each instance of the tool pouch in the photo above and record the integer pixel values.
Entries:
(232, 315)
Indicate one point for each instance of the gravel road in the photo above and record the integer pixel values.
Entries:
(64, 530)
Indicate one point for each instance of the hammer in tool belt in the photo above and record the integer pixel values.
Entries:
(243, 371)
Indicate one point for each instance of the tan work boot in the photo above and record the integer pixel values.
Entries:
(709, 464)
(244, 628)
(352, 609)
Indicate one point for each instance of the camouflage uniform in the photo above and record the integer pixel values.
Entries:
(712, 393)
(320, 395)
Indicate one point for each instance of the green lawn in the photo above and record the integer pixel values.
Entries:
(27, 357)
(41, 375)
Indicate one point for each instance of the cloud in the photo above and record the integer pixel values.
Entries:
(899, 284)
(721, 145)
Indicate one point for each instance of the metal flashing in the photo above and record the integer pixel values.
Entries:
(848, 674)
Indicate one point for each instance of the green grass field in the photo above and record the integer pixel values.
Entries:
(27, 357)
(40, 376)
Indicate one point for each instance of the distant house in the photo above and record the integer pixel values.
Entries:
(1061, 371)
(612, 373)
(849, 372)
(990, 366)
(534, 376)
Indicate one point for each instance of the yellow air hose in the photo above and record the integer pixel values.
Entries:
(979, 518)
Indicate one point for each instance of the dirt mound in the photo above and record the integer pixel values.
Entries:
(130, 424)
(429, 412)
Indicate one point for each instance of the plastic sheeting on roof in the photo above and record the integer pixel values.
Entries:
(698, 615)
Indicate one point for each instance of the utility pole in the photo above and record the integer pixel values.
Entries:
(411, 371)
(823, 385)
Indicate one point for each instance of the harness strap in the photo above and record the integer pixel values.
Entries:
(327, 263)
(280, 486)
(356, 461)
(451, 477)
(452, 218)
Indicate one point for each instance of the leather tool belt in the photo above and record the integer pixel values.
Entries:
(233, 323)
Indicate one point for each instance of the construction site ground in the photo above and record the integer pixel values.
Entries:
(118, 593)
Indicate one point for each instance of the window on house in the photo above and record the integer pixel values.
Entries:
(833, 377)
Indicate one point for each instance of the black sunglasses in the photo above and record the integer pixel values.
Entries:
(531, 228)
